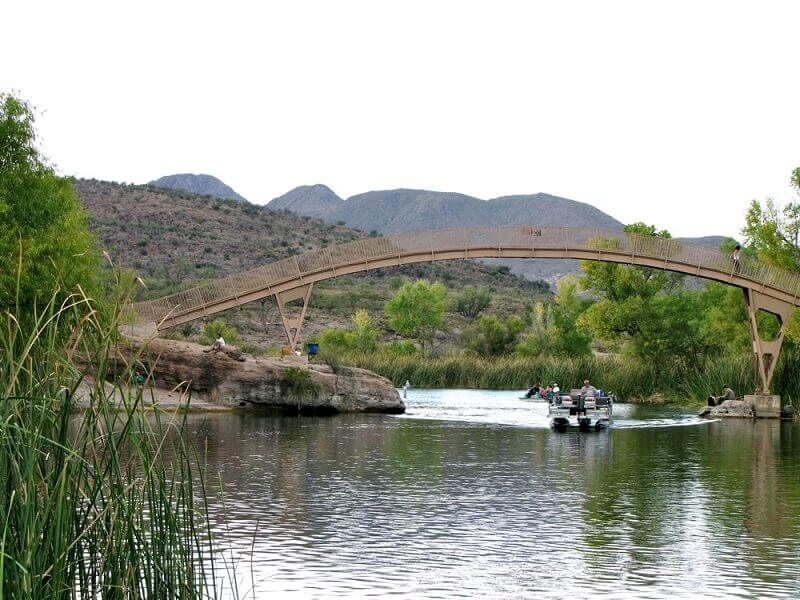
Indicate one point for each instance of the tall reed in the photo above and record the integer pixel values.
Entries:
(632, 379)
(103, 502)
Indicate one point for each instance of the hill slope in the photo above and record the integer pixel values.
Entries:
(174, 239)
(204, 185)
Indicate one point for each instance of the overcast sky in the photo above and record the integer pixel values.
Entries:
(673, 113)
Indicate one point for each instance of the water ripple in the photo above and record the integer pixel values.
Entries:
(471, 495)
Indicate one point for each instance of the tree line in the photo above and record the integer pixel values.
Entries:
(645, 313)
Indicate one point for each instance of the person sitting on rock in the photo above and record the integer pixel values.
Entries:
(219, 344)
(727, 394)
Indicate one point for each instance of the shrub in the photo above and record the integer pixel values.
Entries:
(361, 337)
(472, 301)
(493, 337)
(299, 385)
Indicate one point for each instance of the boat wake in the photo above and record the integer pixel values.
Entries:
(505, 408)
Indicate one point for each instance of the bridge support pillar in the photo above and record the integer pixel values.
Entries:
(766, 352)
(293, 325)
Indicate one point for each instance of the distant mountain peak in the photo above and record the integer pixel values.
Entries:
(198, 184)
(316, 200)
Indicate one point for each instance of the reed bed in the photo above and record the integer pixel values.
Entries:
(675, 381)
(102, 502)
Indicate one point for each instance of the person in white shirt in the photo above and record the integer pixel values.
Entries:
(219, 344)
(588, 390)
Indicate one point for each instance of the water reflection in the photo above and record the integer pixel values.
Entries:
(379, 505)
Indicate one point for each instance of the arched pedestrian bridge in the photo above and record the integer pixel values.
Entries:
(766, 287)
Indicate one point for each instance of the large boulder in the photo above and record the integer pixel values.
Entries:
(230, 377)
(729, 408)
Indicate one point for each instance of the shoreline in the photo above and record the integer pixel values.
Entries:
(154, 398)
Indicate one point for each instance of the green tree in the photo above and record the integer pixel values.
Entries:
(364, 332)
(472, 301)
(722, 320)
(630, 300)
(45, 244)
(417, 310)
(568, 338)
(555, 328)
(772, 233)
(492, 337)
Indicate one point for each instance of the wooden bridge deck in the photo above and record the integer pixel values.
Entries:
(516, 241)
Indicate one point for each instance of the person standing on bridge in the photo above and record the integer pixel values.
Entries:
(736, 264)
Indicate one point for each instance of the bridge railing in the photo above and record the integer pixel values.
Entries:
(515, 237)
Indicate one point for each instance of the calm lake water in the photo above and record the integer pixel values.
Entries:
(471, 495)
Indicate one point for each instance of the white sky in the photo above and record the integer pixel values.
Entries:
(674, 113)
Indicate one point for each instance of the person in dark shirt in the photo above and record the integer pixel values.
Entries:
(727, 394)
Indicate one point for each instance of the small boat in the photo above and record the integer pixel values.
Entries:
(532, 399)
(584, 413)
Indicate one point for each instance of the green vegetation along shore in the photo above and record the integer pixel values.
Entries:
(643, 333)
(628, 378)
(105, 502)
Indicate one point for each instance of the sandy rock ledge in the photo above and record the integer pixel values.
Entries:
(231, 378)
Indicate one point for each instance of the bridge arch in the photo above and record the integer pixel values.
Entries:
(765, 287)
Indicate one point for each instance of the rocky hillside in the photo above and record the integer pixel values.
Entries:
(404, 210)
(204, 185)
(174, 239)
(390, 211)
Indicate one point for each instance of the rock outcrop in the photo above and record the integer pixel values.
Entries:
(233, 378)
(729, 408)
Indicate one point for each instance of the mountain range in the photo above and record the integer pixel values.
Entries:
(393, 211)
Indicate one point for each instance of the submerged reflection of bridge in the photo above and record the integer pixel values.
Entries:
(765, 287)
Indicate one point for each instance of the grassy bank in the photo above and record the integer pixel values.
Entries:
(671, 381)
(95, 503)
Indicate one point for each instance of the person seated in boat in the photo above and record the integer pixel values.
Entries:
(556, 389)
(549, 393)
(534, 392)
(588, 389)
(727, 394)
